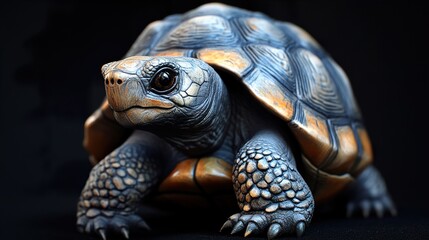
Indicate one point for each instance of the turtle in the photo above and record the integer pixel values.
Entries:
(224, 100)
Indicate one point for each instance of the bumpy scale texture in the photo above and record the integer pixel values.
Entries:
(270, 191)
(114, 188)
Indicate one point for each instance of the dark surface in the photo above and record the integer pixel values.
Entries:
(50, 82)
(58, 222)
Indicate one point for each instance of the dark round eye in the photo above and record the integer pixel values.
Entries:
(164, 80)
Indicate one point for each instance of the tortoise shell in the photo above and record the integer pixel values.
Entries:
(285, 69)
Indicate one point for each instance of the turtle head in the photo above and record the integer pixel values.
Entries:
(164, 94)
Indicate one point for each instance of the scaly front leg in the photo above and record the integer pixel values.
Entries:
(117, 184)
(269, 189)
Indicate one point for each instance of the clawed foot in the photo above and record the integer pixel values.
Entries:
(369, 195)
(275, 224)
(107, 225)
(379, 206)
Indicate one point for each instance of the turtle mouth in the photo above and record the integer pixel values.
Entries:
(139, 116)
(142, 108)
(136, 103)
(141, 112)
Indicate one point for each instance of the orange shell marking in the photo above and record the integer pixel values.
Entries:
(274, 98)
(367, 156)
(313, 136)
(181, 178)
(101, 127)
(347, 151)
(211, 174)
(172, 53)
(228, 59)
(324, 185)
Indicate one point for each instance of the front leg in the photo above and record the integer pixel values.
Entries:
(269, 189)
(117, 184)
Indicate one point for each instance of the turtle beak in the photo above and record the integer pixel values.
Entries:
(125, 91)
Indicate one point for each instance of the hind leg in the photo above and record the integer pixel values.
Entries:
(270, 191)
(369, 194)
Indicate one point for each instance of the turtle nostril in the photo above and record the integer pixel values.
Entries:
(112, 81)
(107, 82)
(119, 81)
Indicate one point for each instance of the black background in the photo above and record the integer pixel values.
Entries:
(51, 55)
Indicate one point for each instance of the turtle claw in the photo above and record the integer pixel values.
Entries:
(379, 207)
(103, 226)
(300, 228)
(274, 231)
(235, 217)
(388, 203)
(226, 225)
(366, 208)
(102, 233)
(142, 224)
(251, 228)
(125, 233)
(89, 227)
(238, 227)
(393, 211)
(274, 224)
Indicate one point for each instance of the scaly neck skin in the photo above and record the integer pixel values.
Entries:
(203, 129)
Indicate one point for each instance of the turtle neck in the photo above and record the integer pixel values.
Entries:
(203, 129)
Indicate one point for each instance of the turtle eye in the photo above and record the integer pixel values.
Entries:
(164, 80)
